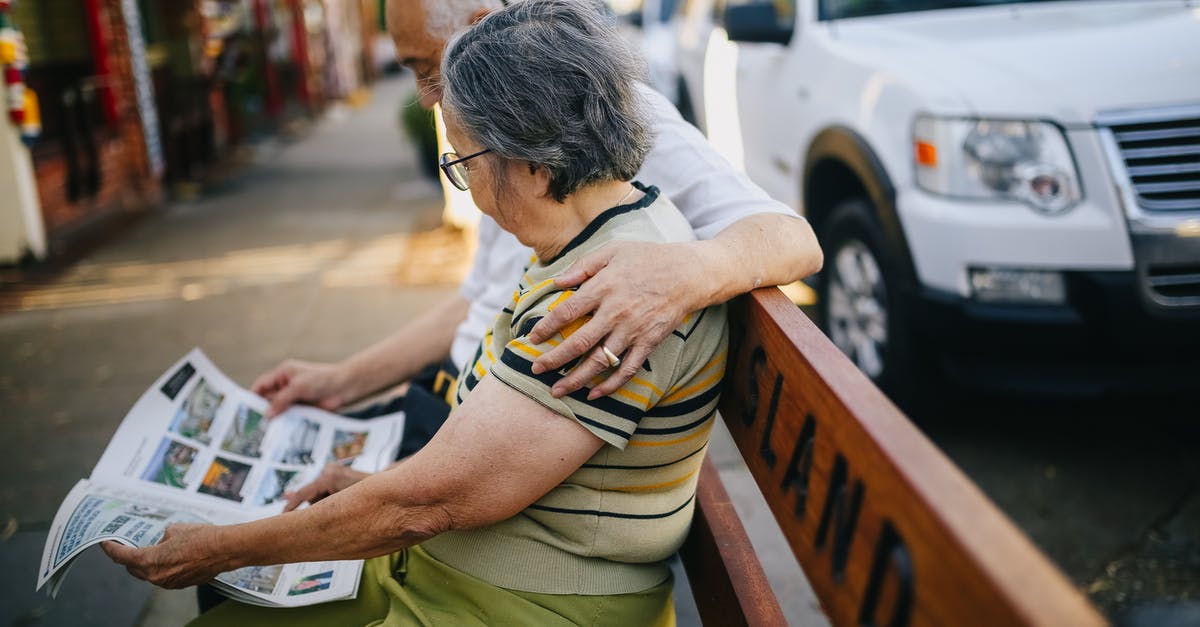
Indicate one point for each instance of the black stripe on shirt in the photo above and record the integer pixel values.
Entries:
(666, 430)
(685, 336)
(671, 463)
(651, 195)
(605, 404)
(521, 311)
(688, 406)
(527, 326)
(594, 512)
(625, 435)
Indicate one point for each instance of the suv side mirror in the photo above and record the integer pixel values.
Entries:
(756, 22)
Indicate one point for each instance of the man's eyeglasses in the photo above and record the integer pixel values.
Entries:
(455, 169)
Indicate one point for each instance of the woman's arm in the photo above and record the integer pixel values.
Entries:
(497, 453)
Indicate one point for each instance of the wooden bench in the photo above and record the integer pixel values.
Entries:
(888, 531)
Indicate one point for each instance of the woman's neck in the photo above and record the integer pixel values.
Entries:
(560, 223)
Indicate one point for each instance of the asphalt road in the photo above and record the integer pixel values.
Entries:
(1110, 491)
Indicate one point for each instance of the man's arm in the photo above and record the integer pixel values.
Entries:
(390, 361)
(498, 453)
(636, 294)
(631, 317)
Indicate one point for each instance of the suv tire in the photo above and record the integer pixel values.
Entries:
(861, 300)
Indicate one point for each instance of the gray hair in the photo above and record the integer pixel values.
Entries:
(444, 18)
(551, 82)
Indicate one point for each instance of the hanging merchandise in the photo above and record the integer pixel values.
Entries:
(8, 42)
(31, 128)
(12, 43)
(21, 102)
(14, 91)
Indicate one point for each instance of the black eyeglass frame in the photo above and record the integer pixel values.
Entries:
(446, 163)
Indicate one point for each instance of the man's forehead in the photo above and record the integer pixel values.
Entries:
(406, 20)
(399, 11)
(406, 25)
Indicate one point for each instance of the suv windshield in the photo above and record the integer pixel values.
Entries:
(841, 9)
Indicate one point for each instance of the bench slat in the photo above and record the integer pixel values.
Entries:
(887, 529)
(726, 578)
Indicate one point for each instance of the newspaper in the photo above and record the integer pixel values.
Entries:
(198, 448)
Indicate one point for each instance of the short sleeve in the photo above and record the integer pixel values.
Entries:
(612, 418)
(709, 192)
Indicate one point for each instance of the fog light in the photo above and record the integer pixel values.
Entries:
(1031, 287)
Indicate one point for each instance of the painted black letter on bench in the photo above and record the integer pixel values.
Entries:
(889, 550)
(758, 357)
(800, 467)
(840, 514)
(764, 447)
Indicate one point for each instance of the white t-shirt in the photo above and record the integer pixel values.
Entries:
(682, 164)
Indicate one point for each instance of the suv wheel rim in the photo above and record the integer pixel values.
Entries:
(857, 311)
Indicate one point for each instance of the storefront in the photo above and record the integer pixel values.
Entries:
(181, 73)
(135, 93)
(21, 232)
(91, 160)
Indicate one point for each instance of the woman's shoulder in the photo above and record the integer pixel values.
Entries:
(658, 220)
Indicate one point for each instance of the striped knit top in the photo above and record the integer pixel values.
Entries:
(610, 525)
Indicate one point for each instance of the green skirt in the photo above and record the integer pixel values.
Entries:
(412, 588)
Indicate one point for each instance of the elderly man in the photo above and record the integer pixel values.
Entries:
(630, 294)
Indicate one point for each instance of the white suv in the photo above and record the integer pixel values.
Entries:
(1016, 184)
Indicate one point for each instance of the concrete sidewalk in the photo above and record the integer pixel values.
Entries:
(316, 249)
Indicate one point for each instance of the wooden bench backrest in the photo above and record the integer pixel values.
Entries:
(887, 529)
(726, 578)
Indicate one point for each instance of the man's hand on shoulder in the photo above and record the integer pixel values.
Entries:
(636, 293)
(295, 381)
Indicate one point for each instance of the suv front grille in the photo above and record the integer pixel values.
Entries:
(1163, 161)
(1175, 285)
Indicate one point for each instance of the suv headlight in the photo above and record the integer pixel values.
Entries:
(1025, 161)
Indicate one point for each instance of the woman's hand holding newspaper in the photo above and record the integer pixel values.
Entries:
(182, 558)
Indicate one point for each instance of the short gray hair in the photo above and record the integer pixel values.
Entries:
(551, 82)
(444, 18)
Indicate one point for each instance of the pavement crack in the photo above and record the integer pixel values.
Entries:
(1129, 559)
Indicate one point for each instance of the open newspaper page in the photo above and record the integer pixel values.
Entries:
(196, 447)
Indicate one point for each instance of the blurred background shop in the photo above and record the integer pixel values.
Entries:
(146, 99)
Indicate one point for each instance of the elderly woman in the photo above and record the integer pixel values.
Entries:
(524, 508)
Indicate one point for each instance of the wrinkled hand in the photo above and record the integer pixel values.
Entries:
(185, 556)
(636, 293)
(296, 381)
(334, 478)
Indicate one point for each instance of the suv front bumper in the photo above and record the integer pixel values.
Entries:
(1107, 340)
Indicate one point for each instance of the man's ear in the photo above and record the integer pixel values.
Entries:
(479, 15)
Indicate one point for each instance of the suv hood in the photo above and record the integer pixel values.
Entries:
(1062, 61)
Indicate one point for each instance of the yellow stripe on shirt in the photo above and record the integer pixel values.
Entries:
(691, 389)
(655, 486)
(533, 291)
(528, 350)
(634, 396)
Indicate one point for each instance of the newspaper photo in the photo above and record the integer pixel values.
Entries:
(198, 448)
